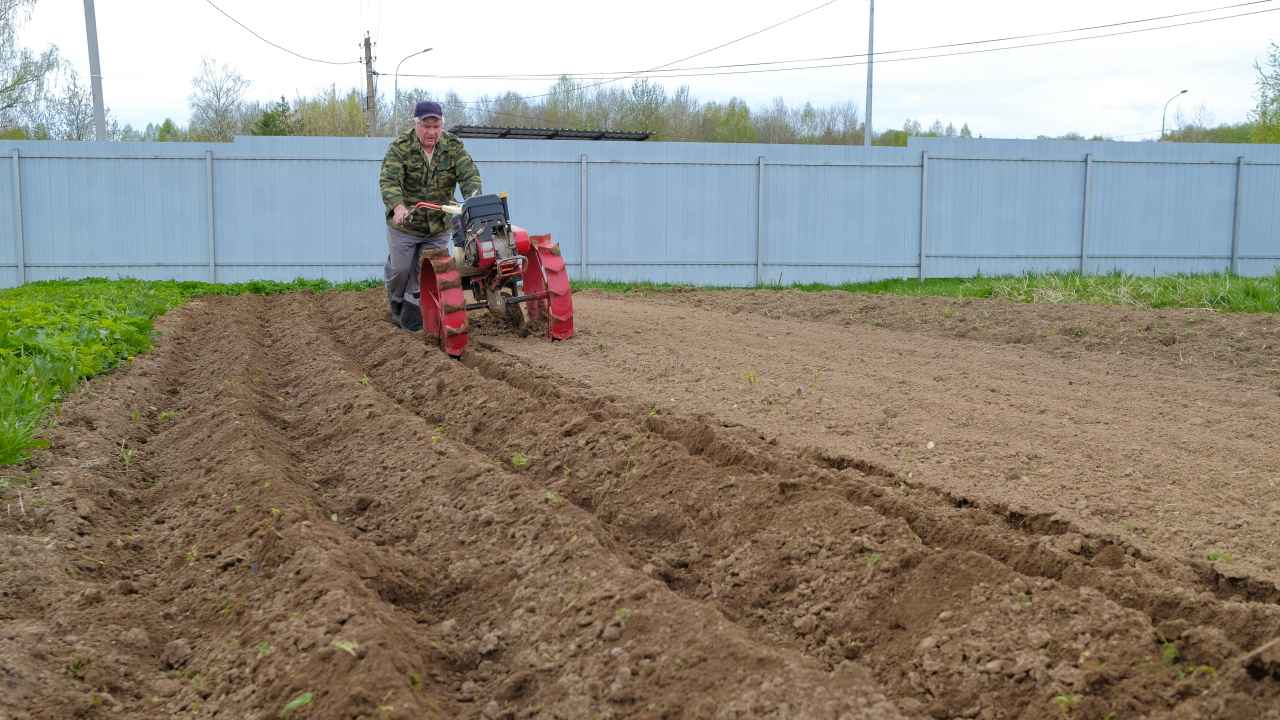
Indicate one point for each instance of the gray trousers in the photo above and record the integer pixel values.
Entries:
(401, 272)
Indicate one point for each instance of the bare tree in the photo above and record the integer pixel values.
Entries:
(217, 101)
(68, 114)
(23, 74)
(775, 123)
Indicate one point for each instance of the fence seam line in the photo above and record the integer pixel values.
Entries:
(583, 265)
(924, 209)
(213, 252)
(19, 241)
(1235, 217)
(1084, 214)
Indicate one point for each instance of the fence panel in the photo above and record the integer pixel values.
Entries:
(1003, 216)
(1259, 219)
(279, 219)
(114, 217)
(670, 222)
(1154, 218)
(840, 223)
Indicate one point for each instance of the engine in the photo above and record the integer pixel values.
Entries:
(484, 235)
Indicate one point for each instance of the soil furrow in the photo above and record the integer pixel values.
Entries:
(289, 504)
(1177, 459)
(702, 517)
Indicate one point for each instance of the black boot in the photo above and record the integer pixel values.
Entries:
(411, 317)
(393, 312)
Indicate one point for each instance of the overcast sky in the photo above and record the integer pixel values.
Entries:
(1116, 86)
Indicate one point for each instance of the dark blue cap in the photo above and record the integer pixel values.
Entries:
(428, 108)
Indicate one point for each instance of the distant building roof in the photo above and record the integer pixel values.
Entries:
(521, 133)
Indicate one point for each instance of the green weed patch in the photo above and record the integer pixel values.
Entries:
(55, 334)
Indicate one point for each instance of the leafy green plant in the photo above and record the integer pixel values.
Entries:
(519, 460)
(1218, 556)
(350, 647)
(55, 334)
(75, 668)
(263, 648)
(126, 454)
(297, 703)
(1169, 654)
(1066, 701)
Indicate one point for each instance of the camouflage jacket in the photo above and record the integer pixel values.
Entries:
(407, 179)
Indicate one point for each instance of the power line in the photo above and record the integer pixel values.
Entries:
(648, 73)
(982, 50)
(752, 34)
(277, 46)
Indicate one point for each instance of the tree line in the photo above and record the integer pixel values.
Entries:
(43, 97)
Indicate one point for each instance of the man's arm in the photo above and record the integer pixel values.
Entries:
(391, 179)
(468, 177)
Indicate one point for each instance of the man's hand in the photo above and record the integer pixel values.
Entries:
(399, 214)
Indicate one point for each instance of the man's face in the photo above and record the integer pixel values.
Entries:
(428, 129)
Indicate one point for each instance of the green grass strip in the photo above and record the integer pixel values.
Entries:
(55, 334)
(1220, 291)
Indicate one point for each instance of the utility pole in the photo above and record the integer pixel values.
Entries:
(370, 105)
(95, 71)
(871, 52)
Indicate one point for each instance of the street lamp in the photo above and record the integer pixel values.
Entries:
(395, 99)
(1166, 111)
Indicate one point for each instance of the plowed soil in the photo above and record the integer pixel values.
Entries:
(754, 504)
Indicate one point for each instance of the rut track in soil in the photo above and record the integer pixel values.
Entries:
(305, 477)
(1174, 448)
(689, 522)
(298, 532)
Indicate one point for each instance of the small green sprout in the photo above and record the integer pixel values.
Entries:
(301, 701)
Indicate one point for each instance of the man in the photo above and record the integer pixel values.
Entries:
(422, 164)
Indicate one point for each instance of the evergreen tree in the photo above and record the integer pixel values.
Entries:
(275, 120)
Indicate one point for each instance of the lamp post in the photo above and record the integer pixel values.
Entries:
(395, 99)
(1166, 111)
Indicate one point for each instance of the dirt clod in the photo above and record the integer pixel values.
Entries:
(177, 653)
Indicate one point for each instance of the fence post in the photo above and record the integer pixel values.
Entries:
(213, 256)
(19, 245)
(924, 209)
(582, 214)
(1084, 214)
(1235, 217)
(759, 220)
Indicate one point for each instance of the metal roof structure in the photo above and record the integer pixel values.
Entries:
(524, 133)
